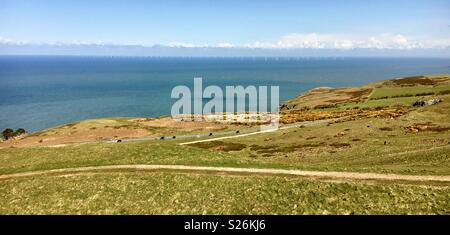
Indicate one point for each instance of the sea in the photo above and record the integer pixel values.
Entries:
(39, 92)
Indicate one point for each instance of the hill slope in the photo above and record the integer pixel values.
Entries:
(376, 132)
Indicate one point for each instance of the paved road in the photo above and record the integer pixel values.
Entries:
(228, 134)
(288, 126)
(237, 170)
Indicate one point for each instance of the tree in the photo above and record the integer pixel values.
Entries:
(19, 131)
(8, 133)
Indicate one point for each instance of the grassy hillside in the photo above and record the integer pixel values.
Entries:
(388, 91)
(168, 193)
(104, 129)
(378, 130)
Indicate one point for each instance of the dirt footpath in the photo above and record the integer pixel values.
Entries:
(237, 170)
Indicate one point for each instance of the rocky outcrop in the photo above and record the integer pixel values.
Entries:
(287, 106)
(420, 103)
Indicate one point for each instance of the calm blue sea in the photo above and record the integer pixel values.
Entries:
(38, 92)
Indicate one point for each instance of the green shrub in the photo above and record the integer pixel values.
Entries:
(7, 133)
(19, 131)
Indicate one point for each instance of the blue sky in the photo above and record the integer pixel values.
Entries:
(267, 24)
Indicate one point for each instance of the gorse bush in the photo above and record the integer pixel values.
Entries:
(19, 131)
(9, 133)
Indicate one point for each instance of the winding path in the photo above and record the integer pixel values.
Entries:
(286, 126)
(237, 170)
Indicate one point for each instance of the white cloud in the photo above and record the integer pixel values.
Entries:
(258, 44)
(226, 45)
(181, 44)
(312, 40)
(11, 41)
(335, 41)
(382, 41)
(296, 40)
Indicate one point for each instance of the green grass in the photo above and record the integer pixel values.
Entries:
(377, 98)
(404, 91)
(361, 148)
(310, 148)
(147, 152)
(394, 96)
(85, 128)
(397, 101)
(167, 193)
(378, 145)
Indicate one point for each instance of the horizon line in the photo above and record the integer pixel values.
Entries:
(233, 56)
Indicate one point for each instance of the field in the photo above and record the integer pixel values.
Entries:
(170, 193)
(392, 92)
(114, 128)
(375, 130)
